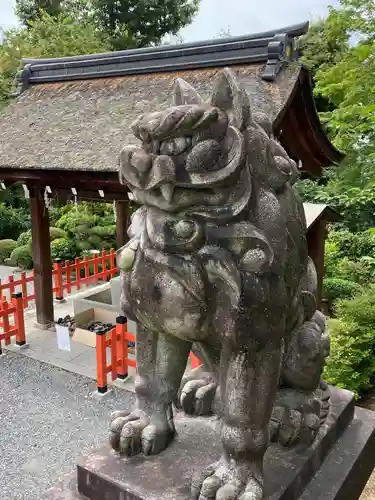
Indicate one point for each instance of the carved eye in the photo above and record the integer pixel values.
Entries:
(184, 228)
(174, 147)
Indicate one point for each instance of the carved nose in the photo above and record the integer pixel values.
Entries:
(141, 161)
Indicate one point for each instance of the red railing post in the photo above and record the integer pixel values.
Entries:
(11, 287)
(78, 273)
(96, 267)
(59, 281)
(68, 277)
(19, 319)
(112, 263)
(5, 307)
(32, 296)
(24, 289)
(114, 358)
(101, 363)
(104, 265)
(122, 347)
(86, 266)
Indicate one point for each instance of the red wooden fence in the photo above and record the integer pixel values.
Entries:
(117, 343)
(67, 276)
(12, 323)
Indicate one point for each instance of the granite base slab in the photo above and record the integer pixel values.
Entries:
(103, 475)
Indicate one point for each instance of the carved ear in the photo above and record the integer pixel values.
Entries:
(229, 96)
(184, 93)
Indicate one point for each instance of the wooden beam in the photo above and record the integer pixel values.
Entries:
(122, 222)
(65, 179)
(41, 250)
(316, 237)
(65, 195)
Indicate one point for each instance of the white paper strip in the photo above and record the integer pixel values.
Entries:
(26, 191)
(63, 339)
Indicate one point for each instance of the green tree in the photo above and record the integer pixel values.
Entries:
(320, 49)
(29, 10)
(350, 87)
(140, 23)
(48, 36)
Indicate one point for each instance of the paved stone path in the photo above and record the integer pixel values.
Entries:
(49, 418)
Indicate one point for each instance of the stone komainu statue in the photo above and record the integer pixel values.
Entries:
(217, 262)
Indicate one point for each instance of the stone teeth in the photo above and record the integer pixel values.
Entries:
(167, 192)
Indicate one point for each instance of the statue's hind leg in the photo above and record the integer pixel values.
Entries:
(248, 386)
(149, 428)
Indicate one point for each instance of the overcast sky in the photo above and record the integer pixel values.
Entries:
(239, 16)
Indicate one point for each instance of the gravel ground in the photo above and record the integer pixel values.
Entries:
(48, 419)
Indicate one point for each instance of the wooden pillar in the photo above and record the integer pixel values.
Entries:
(122, 222)
(41, 250)
(316, 237)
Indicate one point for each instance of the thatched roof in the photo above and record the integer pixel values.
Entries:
(84, 124)
(75, 113)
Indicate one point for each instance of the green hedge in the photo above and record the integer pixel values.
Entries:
(64, 249)
(56, 233)
(337, 288)
(21, 257)
(351, 364)
(6, 248)
(13, 221)
(24, 238)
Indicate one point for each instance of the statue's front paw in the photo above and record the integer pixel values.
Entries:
(135, 432)
(289, 427)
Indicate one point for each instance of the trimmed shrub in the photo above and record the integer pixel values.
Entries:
(360, 272)
(21, 257)
(71, 221)
(360, 309)
(24, 238)
(64, 249)
(6, 248)
(352, 361)
(353, 245)
(13, 221)
(351, 364)
(56, 233)
(337, 288)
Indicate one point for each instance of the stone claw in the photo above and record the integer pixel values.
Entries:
(289, 427)
(197, 397)
(197, 393)
(133, 433)
(219, 481)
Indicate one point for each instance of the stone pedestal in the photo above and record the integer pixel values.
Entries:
(342, 457)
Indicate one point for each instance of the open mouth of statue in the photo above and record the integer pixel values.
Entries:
(141, 170)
